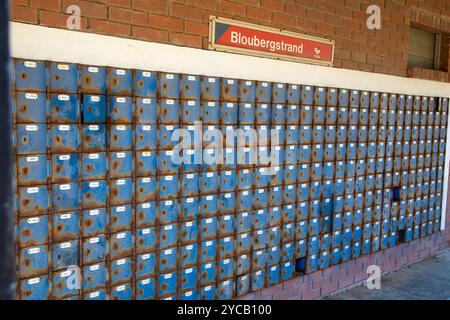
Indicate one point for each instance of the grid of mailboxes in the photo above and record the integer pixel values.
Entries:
(104, 212)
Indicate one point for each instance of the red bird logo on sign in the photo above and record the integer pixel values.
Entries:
(317, 50)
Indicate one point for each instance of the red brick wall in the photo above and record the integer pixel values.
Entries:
(185, 22)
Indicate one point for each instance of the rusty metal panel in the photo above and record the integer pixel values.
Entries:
(120, 271)
(64, 138)
(121, 110)
(65, 168)
(145, 265)
(146, 110)
(33, 231)
(263, 92)
(279, 93)
(36, 288)
(93, 222)
(60, 287)
(32, 170)
(65, 254)
(93, 138)
(122, 292)
(64, 77)
(121, 218)
(31, 139)
(120, 244)
(119, 82)
(31, 107)
(94, 277)
(189, 184)
(95, 249)
(145, 84)
(65, 197)
(31, 76)
(33, 200)
(65, 226)
(93, 79)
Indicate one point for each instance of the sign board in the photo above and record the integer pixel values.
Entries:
(240, 37)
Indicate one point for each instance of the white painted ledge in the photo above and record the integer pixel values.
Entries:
(43, 43)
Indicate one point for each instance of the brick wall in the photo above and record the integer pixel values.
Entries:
(185, 22)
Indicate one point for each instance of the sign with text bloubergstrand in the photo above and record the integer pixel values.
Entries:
(240, 37)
